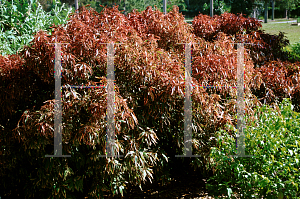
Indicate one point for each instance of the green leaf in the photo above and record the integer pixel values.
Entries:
(229, 192)
(121, 189)
(14, 8)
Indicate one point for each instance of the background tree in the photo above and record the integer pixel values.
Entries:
(266, 11)
(288, 6)
(273, 9)
(241, 6)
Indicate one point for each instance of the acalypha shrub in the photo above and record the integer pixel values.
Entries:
(149, 102)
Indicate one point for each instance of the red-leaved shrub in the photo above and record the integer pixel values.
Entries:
(149, 102)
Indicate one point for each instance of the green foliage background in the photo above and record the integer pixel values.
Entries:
(296, 50)
(20, 20)
(273, 137)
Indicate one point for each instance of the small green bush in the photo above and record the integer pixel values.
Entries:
(18, 23)
(273, 137)
(296, 50)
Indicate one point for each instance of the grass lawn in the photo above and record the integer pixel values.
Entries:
(292, 32)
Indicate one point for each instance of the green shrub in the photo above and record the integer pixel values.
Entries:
(296, 50)
(274, 139)
(19, 23)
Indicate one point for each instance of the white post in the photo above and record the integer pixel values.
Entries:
(165, 6)
(76, 5)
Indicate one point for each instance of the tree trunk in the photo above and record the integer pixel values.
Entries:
(286, 13)
(266, 11)
(273, 9)
(165, 6)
